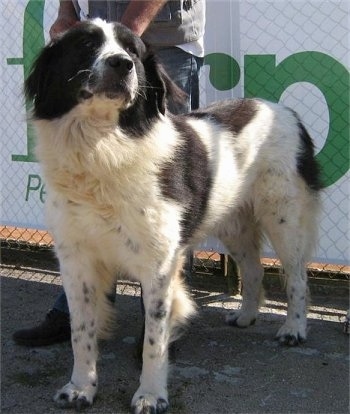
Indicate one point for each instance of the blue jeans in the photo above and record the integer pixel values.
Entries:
(61, 303)
(183, 68)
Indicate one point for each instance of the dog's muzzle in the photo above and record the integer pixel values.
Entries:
(122, 64)
(114, 77)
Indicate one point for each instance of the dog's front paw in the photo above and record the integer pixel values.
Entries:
(148, 404)
(240, 319)
(70, 396)
(291, 334)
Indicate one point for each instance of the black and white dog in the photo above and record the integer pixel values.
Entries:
(131, 186)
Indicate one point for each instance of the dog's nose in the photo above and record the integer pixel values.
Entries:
(121, 63)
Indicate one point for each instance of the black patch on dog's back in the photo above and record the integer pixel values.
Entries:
(307, 165)
(234, 115)
(187, 178)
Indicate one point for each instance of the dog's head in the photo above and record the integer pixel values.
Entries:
(99, 61)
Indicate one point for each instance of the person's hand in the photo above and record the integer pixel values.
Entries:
(61, 24)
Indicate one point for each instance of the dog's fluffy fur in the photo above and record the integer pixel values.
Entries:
(131, 186)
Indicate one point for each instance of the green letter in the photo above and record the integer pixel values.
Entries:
(31, 186)
(266, 80)
(43, 194)
(33, 42)
(224, 72)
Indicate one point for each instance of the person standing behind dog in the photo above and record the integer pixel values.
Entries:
(174, 29)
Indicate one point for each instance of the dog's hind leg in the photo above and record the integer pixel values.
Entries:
(166, 304)
(85, 296)
(290, 224)
(242, 238)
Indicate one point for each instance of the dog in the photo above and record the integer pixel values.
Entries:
(131, 187)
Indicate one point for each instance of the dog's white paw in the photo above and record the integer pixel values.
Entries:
(147, 403)
(291, 334)
(240, 318)
(70, 396)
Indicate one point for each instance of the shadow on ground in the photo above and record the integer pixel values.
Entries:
(218, 369)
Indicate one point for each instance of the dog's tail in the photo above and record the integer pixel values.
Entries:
(183, 306)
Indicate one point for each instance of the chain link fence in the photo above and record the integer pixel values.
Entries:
(293, 52)
(296, 53)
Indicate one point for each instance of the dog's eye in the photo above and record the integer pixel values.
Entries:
(131, 49)
(89, 44)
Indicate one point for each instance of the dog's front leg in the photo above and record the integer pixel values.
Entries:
(77, 276)
(152, 395)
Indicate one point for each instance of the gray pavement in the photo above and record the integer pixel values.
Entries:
(218, 369)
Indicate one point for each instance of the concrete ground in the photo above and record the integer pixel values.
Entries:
(218, 369)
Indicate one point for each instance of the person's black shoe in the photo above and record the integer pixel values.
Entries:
(54, 329)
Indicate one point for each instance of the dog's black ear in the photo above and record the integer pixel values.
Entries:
(160, 88)
(51, 85)
(41, 85)
(35, 82)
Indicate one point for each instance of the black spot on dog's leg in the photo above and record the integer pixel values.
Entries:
(159, 312)
(132, 246)
(85, 289)
(82, 327)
